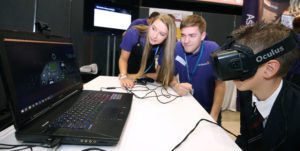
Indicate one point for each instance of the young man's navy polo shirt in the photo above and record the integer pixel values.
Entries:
(203, 79)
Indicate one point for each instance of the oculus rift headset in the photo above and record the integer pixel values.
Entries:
(234, 61)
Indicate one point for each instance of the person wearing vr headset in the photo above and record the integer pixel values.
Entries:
(193, 68)
(257, 59)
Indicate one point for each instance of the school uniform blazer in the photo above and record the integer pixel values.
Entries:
(282, 130)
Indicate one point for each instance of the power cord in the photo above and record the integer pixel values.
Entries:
(191, 131)
(93, 149)
(13, 147)
(55, 143)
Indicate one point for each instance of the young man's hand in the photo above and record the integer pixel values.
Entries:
(183, 88)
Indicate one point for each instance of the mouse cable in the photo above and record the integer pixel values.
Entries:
(136, 86)
(191, 131)
(147, 87)
(151, 90)
(168, 95)
(131, 90)
(109, 88)
(155, 94)
(163, 89)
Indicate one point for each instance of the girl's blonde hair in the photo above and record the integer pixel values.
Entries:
(141, 28)
(294, 8)
(166, 71)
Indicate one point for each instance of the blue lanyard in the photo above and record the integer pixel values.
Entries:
(153, 60)
(190, 75)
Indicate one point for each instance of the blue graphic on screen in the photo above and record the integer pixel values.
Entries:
(53, 72)
(41, 71)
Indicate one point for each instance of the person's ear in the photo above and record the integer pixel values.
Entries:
(203, 35)
(271, 68)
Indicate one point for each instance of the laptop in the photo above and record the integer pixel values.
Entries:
(45, 92)
(5, 117)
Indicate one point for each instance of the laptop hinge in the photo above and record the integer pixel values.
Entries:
(55, 104)
(64, 98)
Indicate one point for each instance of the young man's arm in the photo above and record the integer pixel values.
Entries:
(218, 99)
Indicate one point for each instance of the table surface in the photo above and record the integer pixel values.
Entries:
(153, 126)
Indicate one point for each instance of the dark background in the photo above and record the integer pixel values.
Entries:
(65, 18)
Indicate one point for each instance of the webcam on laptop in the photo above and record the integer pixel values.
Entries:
(42, 27)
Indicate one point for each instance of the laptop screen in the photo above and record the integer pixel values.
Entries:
(41, 73)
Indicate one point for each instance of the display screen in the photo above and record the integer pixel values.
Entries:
(39, 73)
(111, 17)
(230, 2)
(43, 70)
(226, 2)
(106, 17)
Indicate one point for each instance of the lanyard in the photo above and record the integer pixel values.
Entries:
(153, 60)
(190, 75)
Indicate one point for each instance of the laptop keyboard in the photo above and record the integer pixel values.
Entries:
(82, 114)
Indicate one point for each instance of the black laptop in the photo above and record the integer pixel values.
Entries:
(44, 89)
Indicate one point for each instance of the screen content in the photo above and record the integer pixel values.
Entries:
(111, 17)
(40, 71)
(227, 2)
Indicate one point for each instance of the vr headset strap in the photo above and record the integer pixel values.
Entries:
(275, 51)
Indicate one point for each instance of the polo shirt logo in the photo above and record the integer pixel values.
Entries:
(180, 60)
(203, 64)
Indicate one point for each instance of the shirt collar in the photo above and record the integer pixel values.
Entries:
(264, 107)
(196, 52)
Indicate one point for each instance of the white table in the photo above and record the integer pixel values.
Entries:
(152, 126)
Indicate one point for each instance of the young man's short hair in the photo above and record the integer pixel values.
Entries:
(296, 24)
(194, 20)
(261, 35)
(154, 14)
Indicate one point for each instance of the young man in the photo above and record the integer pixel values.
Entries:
(256, 60)
(194, 69)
